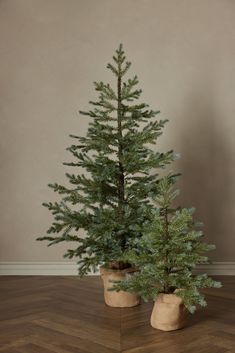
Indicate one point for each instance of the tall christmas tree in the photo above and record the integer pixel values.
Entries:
(110, 200)
(168, 252)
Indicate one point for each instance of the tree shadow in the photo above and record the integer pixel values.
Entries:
(207, 173)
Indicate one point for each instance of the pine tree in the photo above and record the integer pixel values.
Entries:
(167, 253)
(110, 200)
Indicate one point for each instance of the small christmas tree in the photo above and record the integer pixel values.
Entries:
(110, 200)
(168, 252)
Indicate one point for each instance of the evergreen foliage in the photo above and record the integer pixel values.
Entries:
(168, 252)
(115, 175)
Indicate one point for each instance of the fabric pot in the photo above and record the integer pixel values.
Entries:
(169, 313)
(119, 299)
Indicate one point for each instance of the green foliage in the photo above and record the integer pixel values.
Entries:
(115, 174)
(168, 252)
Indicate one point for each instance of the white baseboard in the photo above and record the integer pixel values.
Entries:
(217, 268)
(38, 268)
(70, 268)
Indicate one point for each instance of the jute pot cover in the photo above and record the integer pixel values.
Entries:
(169, 313)
(119, 299)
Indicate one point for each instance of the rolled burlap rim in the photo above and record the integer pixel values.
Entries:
(107, 271)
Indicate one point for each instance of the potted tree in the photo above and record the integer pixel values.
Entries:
(110, 200)
(166, 256)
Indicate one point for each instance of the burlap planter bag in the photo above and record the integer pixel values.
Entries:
(169, 313)
(119, 299)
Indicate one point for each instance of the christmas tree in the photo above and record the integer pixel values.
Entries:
(115, 175)
(168, 252)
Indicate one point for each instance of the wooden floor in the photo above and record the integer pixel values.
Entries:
(42, 314)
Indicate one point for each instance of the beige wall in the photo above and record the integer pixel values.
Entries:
(52, 50)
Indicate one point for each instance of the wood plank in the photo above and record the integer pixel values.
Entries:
(53, 314)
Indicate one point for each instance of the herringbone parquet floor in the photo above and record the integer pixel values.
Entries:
(42, 314)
